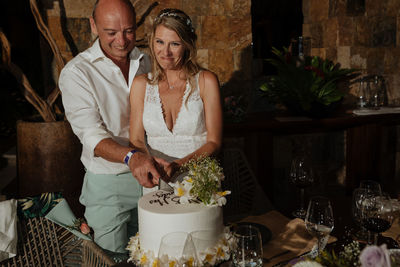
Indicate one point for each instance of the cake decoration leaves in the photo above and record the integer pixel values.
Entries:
(203, 182)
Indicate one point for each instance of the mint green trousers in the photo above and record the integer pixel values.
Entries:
(111, 208)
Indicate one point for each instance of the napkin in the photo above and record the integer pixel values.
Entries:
(8, 229)
(62, 215)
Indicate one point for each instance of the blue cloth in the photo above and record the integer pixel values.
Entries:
(111, 208)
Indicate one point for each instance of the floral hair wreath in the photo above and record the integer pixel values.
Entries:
(175, 15)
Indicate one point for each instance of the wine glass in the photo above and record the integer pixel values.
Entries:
(248, 251)
(177, 247)
(319, 219)
(358, 195)
(371, 185)
(377, 213)
(204, 240)
(301, 176)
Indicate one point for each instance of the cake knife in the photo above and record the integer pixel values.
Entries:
(163, 185)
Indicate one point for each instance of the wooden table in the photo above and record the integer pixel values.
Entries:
(289, 238)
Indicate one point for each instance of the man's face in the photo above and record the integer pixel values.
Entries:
(115, 25)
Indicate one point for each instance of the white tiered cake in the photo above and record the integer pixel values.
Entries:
(161, 213)
(194, 209)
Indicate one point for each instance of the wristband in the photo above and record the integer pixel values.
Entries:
(129, 156)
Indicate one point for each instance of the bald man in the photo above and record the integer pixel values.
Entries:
(95, 93)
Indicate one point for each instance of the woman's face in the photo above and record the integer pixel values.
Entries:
(168, 48)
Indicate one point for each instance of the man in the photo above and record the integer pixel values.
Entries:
(95, 92)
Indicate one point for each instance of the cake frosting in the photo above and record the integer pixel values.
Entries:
(161, 213)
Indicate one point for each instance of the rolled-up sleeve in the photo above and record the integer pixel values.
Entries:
(81, 108)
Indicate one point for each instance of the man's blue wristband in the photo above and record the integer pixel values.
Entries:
(129, 156)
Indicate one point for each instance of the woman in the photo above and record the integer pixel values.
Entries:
(175, 110)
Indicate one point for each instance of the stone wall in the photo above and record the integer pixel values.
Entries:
(361, 34)
(223, 28)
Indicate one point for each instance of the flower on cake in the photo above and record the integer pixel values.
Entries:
(203, 182)
(374, 256)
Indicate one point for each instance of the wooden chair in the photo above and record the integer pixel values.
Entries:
(44, 243)
(247, 197)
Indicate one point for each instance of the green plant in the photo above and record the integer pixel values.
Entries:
(301, 83)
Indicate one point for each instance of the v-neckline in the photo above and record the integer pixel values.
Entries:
(179, 112)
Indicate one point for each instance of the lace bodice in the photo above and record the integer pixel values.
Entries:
(189, 131)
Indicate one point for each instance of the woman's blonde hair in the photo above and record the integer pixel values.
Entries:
(179, 22)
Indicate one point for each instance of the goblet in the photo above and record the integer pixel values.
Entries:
(377, 214)
(248, 251)
(371, 185)
(319, 219)
(361, 234)
(301, 176)
(177, 247)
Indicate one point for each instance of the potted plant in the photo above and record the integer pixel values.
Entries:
(305, 85)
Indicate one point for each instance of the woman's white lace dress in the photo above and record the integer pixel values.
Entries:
(189, 132)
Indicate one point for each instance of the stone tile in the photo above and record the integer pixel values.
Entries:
(358, 58)
(374, 8)
(392, 8)
(355, 7)
(392, 62)
(221, 62)
(319, 10)
(202, 57)
(316, 35)
(346, 30)
(239, 32)
(306, 12)
(337, 8)
(241, 8)
(194, 7)
(79, 29)
(331, 53)
(214, 30)
(363, 34)
(392, 88)
(319, 52)
(384, 32)
(330, 35)
(375, 60)
(343, 56)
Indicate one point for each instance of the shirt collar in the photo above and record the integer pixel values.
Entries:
(97, 53)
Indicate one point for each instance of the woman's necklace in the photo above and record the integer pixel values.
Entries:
(171, 86)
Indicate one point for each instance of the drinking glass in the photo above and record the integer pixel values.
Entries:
(319, 219)
(358, 194)
(301, 176)
(203, 240)
(177, 247)
(248, 251)
(377, 214)
(371, 185)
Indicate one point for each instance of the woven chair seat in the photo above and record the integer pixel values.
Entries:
(247, 197)
(44, 243)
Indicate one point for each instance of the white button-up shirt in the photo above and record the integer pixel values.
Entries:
(95, 96)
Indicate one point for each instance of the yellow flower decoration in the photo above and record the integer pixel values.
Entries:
(172, 263)
(156, 263)
(143, 259)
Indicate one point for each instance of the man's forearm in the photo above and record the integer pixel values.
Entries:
(110, 150)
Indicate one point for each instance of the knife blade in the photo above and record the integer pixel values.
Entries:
(163, 185)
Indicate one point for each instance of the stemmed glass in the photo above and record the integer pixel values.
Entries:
(301, 176)
(177, 247)
(248, 251)
(357, 198)
(319, 219)
(377, 213)
(371, 185)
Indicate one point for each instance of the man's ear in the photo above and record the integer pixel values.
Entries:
(93, 26)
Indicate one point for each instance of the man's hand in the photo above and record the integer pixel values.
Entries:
(170, 168)
(144, 169)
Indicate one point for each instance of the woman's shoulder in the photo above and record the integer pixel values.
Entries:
(207, 75)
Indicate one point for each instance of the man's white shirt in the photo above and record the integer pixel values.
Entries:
(95, 96)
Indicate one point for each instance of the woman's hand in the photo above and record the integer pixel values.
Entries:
(170, 168)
